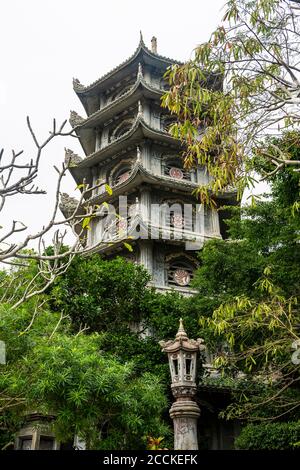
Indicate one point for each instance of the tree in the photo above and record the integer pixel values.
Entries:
(255, 54)
(113, 297)
(248, 298)
(93, 290)
(96, 305)
(92, 394)
(18, 177)
(270, 436)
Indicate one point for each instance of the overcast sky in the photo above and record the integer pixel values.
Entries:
(44, 44)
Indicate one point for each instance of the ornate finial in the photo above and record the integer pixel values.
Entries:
(71, 158)
(137, 206)
(181, 334)
(77, 85)
(67, 204)
(141, 39)
(140, 71)
(75, 120)
(138, 154)
(140, 109)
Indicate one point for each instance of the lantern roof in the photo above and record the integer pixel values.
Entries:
(182, 342)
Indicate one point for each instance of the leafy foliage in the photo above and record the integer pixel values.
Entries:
(248, 298)
(108, 403)
(103, 295)
(269, 436)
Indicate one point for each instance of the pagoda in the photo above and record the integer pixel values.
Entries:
(134, 166)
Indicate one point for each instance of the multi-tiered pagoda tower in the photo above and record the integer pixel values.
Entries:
(127, 146)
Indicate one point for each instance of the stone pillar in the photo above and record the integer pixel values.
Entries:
(97, 139)
(215, 222)
(147, 113)
(185, 414)
(146, 254)
(145, 204)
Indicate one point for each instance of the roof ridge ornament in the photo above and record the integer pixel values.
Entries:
(67, 204)
(140, 109)
(71, 158)
(75, 120)
(154, 45)
(140, 71)
(77, 85)
(141, 39)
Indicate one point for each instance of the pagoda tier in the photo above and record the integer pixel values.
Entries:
(93, 131)
(128, 133)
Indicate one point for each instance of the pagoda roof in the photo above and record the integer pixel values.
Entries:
(142, 54)
(138, 132)
(140, 175)
(139, 89)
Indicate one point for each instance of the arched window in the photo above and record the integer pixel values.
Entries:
(121, 173)
(180, 271)
(166, 122)
(173, 167)
(127, 216)
(121, 129)
(121, 92)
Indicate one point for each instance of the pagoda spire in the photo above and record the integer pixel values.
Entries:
(141, 39)
(181, 334)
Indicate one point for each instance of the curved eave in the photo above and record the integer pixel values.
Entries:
(142, 54)
(139, 131)
(140, 175)
(109, 248)
(140, 88)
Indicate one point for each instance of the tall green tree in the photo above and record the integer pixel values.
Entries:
(84, 350)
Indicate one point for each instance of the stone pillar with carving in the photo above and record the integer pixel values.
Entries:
(182, 355)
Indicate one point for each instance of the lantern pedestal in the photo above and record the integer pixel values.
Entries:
(185, 414)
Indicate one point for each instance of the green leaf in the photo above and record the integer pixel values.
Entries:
(108, 189)
(128, 246)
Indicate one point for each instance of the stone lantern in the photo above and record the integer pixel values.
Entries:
(182, 355)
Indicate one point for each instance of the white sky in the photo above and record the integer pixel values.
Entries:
(44, 44)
